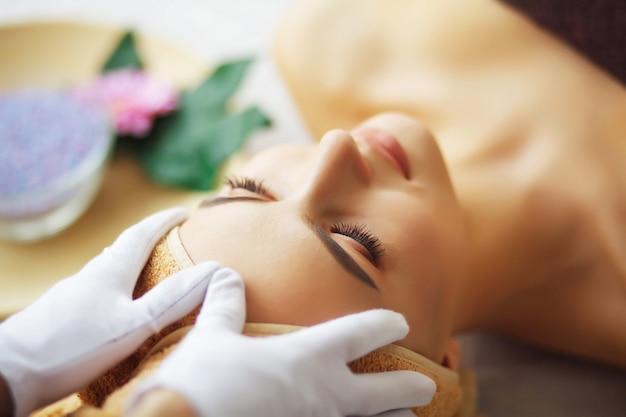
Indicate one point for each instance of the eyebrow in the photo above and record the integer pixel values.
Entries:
(219, 200)
(338, 253)
(341, 256)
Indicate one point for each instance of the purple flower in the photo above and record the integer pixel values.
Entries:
(134, 98)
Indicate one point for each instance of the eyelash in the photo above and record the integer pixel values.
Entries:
(357, 232)
(364, 237)
(250, 184)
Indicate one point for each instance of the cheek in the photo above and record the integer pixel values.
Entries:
(422, 300)
(291, 296)
(417, 284)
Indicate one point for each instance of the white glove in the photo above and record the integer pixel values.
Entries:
(87, 323)
(224, 373)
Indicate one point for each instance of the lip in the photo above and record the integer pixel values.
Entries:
(386, 146)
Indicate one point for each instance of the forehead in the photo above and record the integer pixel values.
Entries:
(261, 230)
(278, 160)
(289, 276)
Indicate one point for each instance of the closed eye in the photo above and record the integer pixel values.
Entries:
(249, 184)
(363, 237)
(357, 232)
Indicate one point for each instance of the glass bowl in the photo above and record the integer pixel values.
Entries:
(53, 153)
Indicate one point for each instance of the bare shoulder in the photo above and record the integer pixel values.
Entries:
(584, 316)
(571, 296)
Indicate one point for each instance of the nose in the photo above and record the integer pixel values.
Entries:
(339, 171)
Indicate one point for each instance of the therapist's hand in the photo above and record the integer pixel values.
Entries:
(88, 322)
(221, 372)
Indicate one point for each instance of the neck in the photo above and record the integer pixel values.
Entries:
(559, 219)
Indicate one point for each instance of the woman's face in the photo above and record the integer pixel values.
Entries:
(366, 219)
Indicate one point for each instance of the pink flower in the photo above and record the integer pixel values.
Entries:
(134, 99)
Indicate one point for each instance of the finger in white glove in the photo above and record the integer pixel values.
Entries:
(88, 322)
(224, 373)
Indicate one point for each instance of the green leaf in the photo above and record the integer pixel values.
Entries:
(215, 91)
(187, 148)
(125, 55)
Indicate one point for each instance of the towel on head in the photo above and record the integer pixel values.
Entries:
(106, 396)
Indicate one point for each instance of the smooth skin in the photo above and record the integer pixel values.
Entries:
(533, 137)
(417, 221)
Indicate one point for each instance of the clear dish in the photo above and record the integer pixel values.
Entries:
(54, 151)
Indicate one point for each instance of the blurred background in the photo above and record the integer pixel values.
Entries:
(212, 31)
(205, 33)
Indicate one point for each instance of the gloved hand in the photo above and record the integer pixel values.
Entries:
(87, 323)
(224, 373)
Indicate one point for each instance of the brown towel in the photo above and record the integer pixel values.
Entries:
(160, 265)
